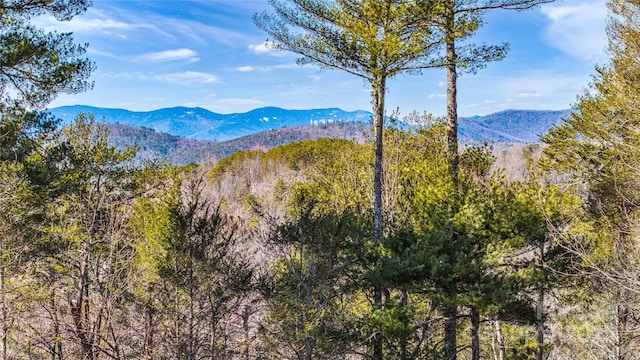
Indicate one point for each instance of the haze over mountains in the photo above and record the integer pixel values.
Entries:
(183, 135)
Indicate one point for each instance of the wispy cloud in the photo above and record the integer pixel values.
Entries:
(198, 32)
(92, 22)
(245, 69)
(266, 47)
(528, 94)
(96, 52)
(185, 78)
(266, 68)
(578, 28)
(169, 55)
(260, 48)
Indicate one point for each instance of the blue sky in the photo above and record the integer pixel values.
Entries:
(208, 53)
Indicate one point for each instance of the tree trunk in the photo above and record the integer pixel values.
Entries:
(540, 311)
(79, 308)
(308, 339)
(540, 325)
(150, 329)
(499, 339)
(404, 353)
(246, 316)
(191, 344)
(3, 312)
(377, 95)
(57, 342)
(475, 334)
(452, 89)
(622, 318)
(450, 326)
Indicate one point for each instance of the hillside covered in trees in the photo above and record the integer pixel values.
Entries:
(404, 245)
(505, 130)
(154, 145)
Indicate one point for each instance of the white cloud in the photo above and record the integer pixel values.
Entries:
(93, 22)
(93, 51)
(436, 96)
(245, 68)
(169, 55)
(186, 77)
(82, 24)
(180, 29)
(260, 48)
(266, 68)
(315, 77)
(528, 94)
(266, 47)
(578, 28)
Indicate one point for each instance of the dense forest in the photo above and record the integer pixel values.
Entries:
(154, 145)
(402, 246)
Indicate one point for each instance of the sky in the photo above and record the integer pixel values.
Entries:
(208, 53)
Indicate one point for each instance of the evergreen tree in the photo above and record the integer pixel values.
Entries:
(82, 269)
(372, 39)
(309, 289)
(204, 278)
(598, 147)
(36, 66)
(457, 21)
(26, 172)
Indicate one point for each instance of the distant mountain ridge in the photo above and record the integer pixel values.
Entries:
(202, 124)
(521, 126)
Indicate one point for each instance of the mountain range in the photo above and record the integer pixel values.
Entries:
(182, 135)
(201, 124)
(519, 126)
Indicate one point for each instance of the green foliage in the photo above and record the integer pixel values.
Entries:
(317, 255)
(197, 276)
(297, 155)
(227, 163)
(301, 155)
(365, 38)
(51, 60)
(152, 224)
(338, 181)
(597, 147)
(86, 252)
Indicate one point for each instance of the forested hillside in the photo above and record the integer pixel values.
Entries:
(504, 131)
(153, 145)
(258, 227)
(402, 244)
